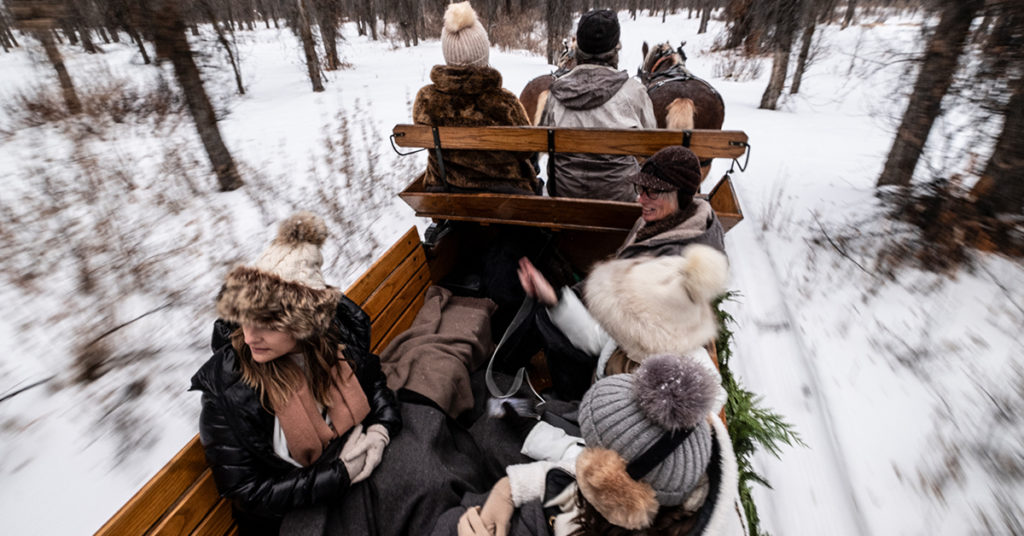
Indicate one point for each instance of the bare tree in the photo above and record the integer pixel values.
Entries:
(705, 15)
(937, 70)
(558, 18)
(785, 22)
(851, 8)
(328, 16)
(172, 44)
(308, 45)
(53, 54)
(810, 18)
(227, 45)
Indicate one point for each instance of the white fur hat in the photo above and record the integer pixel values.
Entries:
(463, 38)
(658, 305)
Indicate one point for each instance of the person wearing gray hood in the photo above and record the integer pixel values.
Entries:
(596, 95)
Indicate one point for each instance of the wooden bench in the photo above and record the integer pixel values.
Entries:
(587, 229)
(562, 213)
(181, 499)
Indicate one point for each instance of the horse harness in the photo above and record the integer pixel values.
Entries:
(676, 74)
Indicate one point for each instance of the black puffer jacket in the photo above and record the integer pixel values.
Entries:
(236, 430)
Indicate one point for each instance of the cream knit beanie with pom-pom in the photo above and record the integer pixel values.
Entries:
(463, 38)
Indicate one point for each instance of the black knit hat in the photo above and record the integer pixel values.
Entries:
(673, 168)
(598, 31)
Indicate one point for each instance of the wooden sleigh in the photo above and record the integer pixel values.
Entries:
(181, 499)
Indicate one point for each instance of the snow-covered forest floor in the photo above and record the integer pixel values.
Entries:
(908, 388)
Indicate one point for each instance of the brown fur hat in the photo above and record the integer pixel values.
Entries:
(285, 289)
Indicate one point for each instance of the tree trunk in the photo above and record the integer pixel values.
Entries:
(851, 8)
(223, 40)
(172, 44)
(1001, 187)
(738, 13)
(308, 46)
(785, 27)
(326, 11)
(66, 86)
(705, 16)
(558, 20)
(937, 70)
(369, 17)
(810, 18)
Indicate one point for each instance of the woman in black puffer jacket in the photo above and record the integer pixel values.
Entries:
(295, 408)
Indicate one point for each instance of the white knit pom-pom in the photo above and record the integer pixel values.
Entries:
(458, 16)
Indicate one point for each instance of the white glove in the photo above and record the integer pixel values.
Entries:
(355, 465)
(370, 447)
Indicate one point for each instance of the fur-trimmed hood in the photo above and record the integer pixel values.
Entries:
(658, 305)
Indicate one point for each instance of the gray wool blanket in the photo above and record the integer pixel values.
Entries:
(450, 337)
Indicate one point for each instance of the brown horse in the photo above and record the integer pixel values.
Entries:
(681, 100)
(535, 94)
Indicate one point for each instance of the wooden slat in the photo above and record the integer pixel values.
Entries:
(396, 280)
(383, 323)
(404, 321)
(378, 272)
(531, 210)
(723, 202)
(190, 509)
(642, 142)
(150, 503)
(218, 522)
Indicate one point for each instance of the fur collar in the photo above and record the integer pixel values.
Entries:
(466, 79)
(680, 225)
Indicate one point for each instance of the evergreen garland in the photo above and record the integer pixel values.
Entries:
(750, 424)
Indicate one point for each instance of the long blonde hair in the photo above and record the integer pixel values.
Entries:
(276, 380)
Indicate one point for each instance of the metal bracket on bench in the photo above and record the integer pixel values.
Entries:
(394, 147)
(440, 159)
(686, 138)
(746, 161)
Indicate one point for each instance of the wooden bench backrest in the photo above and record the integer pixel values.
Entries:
(181, 499)
(641, 142)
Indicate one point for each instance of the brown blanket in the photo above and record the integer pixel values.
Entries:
(450, 337)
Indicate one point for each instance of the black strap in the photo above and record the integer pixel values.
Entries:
(657, 453)
(440, 159)
(552, 188)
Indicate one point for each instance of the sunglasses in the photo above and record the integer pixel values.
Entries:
(649, 192)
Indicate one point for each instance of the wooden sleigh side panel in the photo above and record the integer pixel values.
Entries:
(181, 499)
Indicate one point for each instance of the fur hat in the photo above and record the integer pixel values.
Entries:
(463, 38)
(284, 290)
(658, 305)
(674, 168)
(633, 464)
(598, 32)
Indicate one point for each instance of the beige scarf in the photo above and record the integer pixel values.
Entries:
(306, 431)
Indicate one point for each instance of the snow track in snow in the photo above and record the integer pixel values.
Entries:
(773, 360)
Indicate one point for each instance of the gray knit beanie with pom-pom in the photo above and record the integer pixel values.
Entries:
(463, 39)
(628, 413)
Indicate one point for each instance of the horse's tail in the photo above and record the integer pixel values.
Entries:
(542, 101)
(679, 114)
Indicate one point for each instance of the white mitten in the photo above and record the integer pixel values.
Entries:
(354, 464)
(370, 447)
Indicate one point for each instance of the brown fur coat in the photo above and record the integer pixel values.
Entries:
(463, 96)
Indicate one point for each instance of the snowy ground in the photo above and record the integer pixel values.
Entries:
(906, 392)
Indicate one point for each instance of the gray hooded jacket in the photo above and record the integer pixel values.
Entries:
(596, 96)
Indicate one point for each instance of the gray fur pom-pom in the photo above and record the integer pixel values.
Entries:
(674, 391)
(302, 227)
